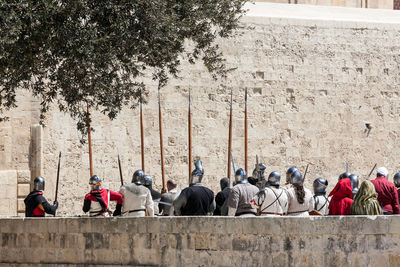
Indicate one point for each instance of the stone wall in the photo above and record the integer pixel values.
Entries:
(315, 76)
(384, 4)
(202, 241)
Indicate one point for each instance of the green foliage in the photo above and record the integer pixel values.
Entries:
(79, 53)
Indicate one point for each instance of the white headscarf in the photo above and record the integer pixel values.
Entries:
(382, 171)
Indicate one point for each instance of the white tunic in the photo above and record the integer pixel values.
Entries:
(297, 209)
(270, 201)
(321, 204)
(137, 201)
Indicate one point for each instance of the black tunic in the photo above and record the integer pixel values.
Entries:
(198, 200)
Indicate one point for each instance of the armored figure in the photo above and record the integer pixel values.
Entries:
(137, 198)
(271, 200)
(222, 196)
(289, 173)
(168, 198)
(35, 203)
(344, 176)
(195, 199)
(155, 195)
(300, 199)
(321, 201)
(396, 181)
(97, 201)
(240, 196)
(354, 183)
(258, 177)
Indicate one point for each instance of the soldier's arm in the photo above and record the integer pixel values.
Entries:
(212, 207)
(48, 208)
(179, 203)
(86, 204)
(233, 201)
(149, 204)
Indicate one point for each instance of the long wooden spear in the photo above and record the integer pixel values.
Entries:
(120, 171)
(164, 187)
(245, 133)
(58, 178)
(190, 138)
(230, 140)
(141, 132)
(90, 142)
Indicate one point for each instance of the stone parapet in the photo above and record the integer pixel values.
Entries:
(202, 241)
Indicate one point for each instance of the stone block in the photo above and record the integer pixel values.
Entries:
(24, 176)
(20, 205)
(23, 190)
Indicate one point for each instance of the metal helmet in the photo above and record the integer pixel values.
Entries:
(148, 181)
(274, 178)
(319, 186)
(241, 176)
(289, 173)
(224, 183)
(354, 183)
(344, 175)
(259, 175)
(38, 184)
(296, 178)
(197, 173)
(396, 179)
(138, 177)
(95, 182)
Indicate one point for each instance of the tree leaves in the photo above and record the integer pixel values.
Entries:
(80, 53)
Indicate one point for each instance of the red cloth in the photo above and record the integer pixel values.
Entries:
(387, 194)
(39, 210)
(114, 196)
(341, 198)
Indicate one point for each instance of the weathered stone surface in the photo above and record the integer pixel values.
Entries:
(106, 241)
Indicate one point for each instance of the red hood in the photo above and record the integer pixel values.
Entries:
(342, 189)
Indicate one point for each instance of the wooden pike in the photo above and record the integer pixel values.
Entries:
(164, 187)
(245, 133)
(58, 178)
(90, 143)
(142, 132)
(190, 138)
(230, 141)
(120, 171)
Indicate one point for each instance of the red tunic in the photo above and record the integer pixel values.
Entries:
(341, 198)
(387, 194)
(114, 196)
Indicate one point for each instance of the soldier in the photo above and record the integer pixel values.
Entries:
(195, 199)
(396, 181)
(258, 177)
(173, 193)
(341, 201)
(354, 183)
(155, 195)
(222, 196)
(387, 192)
(97, 201)
(35, 203)
(301, 200)
(240, 196)
(271, 200)
(137, 198)
(289, 173)
(321, 201)
(344, 176)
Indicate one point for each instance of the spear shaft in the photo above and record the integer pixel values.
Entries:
(58, 177)
(230, 140)
(164, 187)
(120, 171)
(141, 132)
(190, 138)
(245, 133)
(90, 142)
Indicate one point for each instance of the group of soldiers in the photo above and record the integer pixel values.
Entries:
(249, 196)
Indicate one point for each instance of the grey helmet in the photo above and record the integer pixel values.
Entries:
(138, 177)
(296, 178)
(259, 175)
(224, 183)
(95, 182)
(319, 186)
(38, 184)
(354, 183)
(344, 175)
(148, 181)
(274, 178)
(197, 173)
(396, 179)
(241, 176)
(289, 173)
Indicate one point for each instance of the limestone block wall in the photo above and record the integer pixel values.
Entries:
(201, 241)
